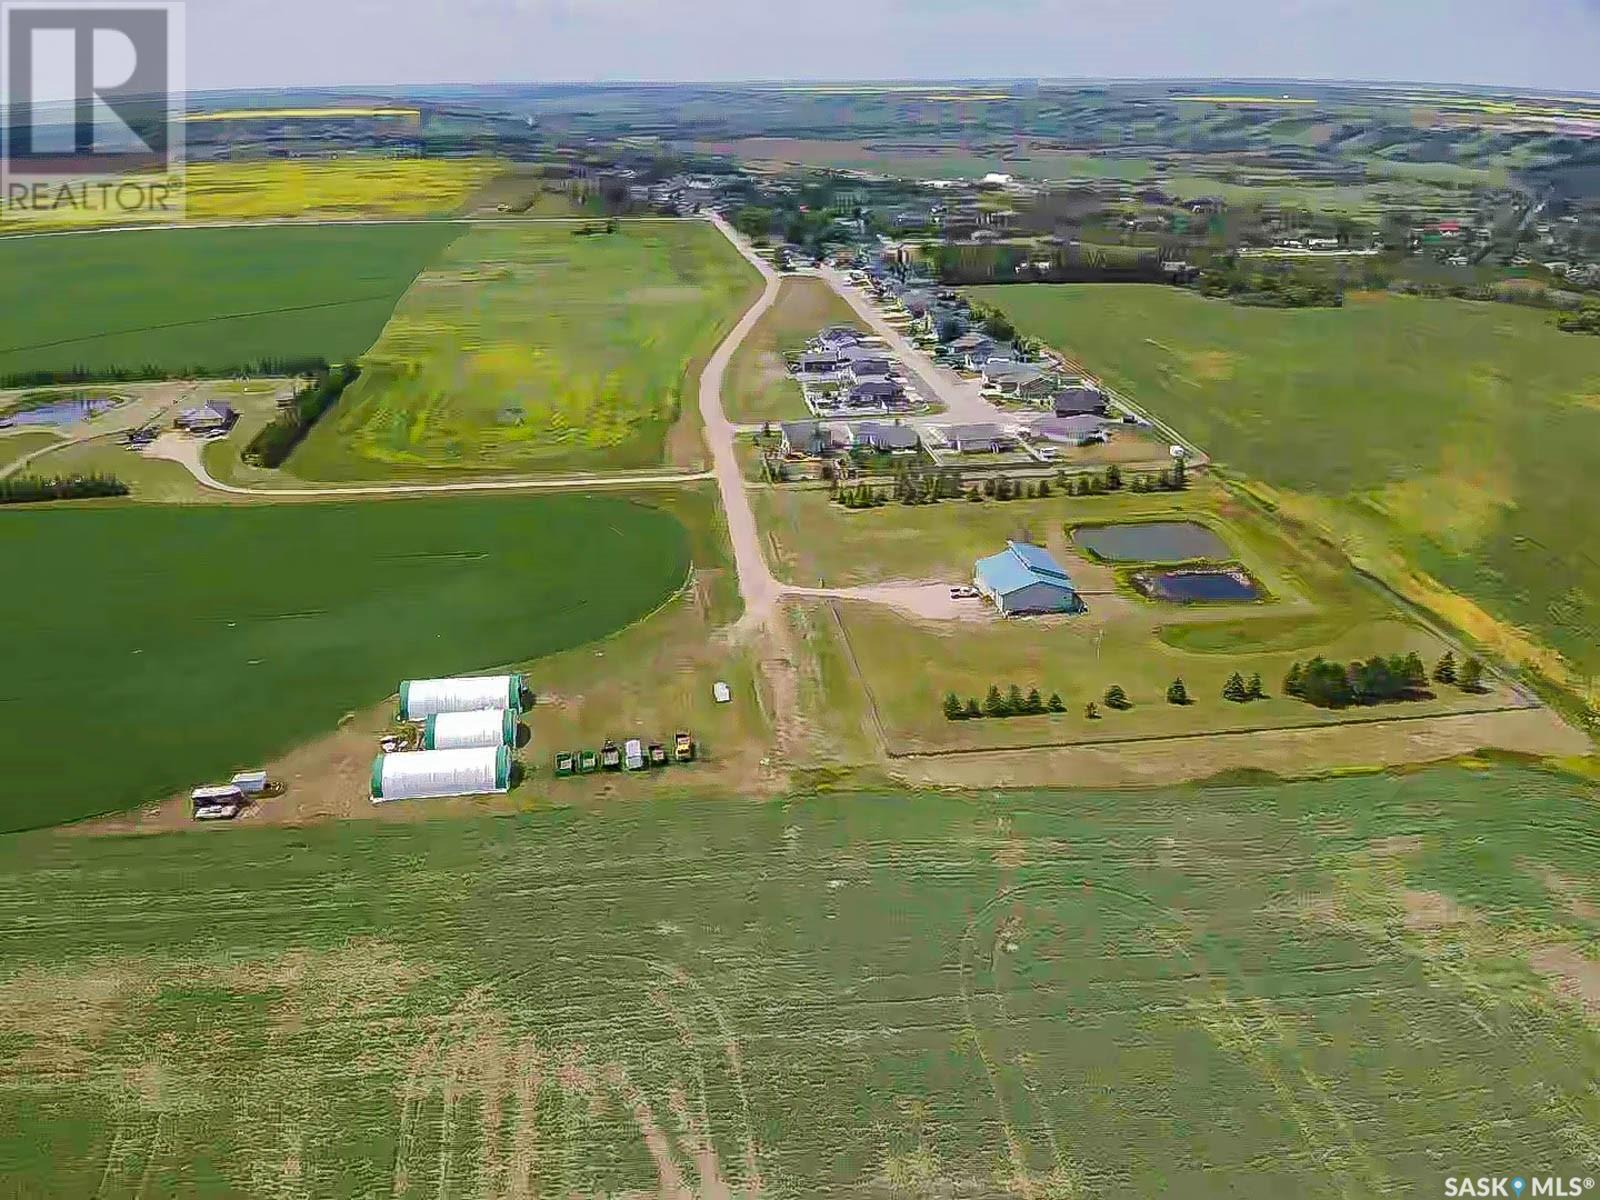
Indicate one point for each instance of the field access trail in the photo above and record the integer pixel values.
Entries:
(186, 453)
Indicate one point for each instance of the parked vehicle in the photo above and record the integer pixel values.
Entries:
(683, 748)
(588, 762)
(610, 757)
(658, 755)
(566, 764)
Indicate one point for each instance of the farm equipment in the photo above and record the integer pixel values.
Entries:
(683, 748)
(588, 762)
(566, 765)
(658, 754)
(610, 757)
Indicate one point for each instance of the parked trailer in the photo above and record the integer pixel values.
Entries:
(683, 748)
(466, 730)
(633, 754)
(423, 698)
(566, 764)
(422, 774)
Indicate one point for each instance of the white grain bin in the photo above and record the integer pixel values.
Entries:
(422, 698)
(424, 773)
(464, 730)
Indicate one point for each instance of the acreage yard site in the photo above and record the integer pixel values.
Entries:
(203, 299)
(1433, 438)
(1341, 988)
(539, 349)
(150, 649)
(760, 386)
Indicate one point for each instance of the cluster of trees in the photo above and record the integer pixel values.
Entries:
(1111, 480)
(1585, 320)
(35, 489)
(153, 371)
(1230, 279)
(998, 704)
(1240, 692)
(915, 485)
(273, 445)
(962, 263)
(1376, 680)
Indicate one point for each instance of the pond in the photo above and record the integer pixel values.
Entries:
(1151, 541)
(66, 411)
(1213, 585)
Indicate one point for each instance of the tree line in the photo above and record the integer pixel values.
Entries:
(999, 705)
(272, 446)
(36, 489)
(287, 367)
(1377, 680)
(914, 485)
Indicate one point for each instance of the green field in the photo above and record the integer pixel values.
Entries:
(204, 298)
(1319, 990)
(177, 644)
(534, 349)
(1446, 436)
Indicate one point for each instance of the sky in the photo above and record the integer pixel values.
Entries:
(1549, 44)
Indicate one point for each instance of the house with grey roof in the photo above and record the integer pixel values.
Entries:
(837, 337)
(877, 392)
(1082, 430)
(1080, 401)
(984, 438)
(886, 438)
(820, 362)
(812, 439)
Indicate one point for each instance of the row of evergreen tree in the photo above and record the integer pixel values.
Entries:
(998, 704)
(36, 489)
(914, 485)
(286, 367)
(272, 446)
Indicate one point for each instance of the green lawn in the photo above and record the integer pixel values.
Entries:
(151, 648)
(183, 299)
(1318, 990)
(534, 349)
(1461, 435)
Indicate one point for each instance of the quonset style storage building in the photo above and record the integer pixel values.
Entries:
(1025, 579)
(429, 773)
(464, 730)
(422, 698)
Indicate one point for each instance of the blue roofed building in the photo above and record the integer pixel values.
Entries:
(1025, 579)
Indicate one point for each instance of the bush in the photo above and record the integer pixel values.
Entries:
(972, 712)
(1034, 703)
(994, 704)
(1235, 689)
(999, 705)
(35, 489)
(1257, 690)
(1471, 679)
(952, 707)
(1177, 693)
(1055, 703)
(1117, 698)
(272, 446)
(1445, 670)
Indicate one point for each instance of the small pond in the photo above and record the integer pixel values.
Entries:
(1151, 541)
(67, 411)
(1202, 585)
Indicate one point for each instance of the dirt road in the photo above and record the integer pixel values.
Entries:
(186, 451)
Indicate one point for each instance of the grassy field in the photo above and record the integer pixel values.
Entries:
(1448, 445)
(234, 633)
(335, 189)
(759, 386)
(205, 298)
(1351, 987)
(533, 349)
(14, 446)
(1317, 607)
